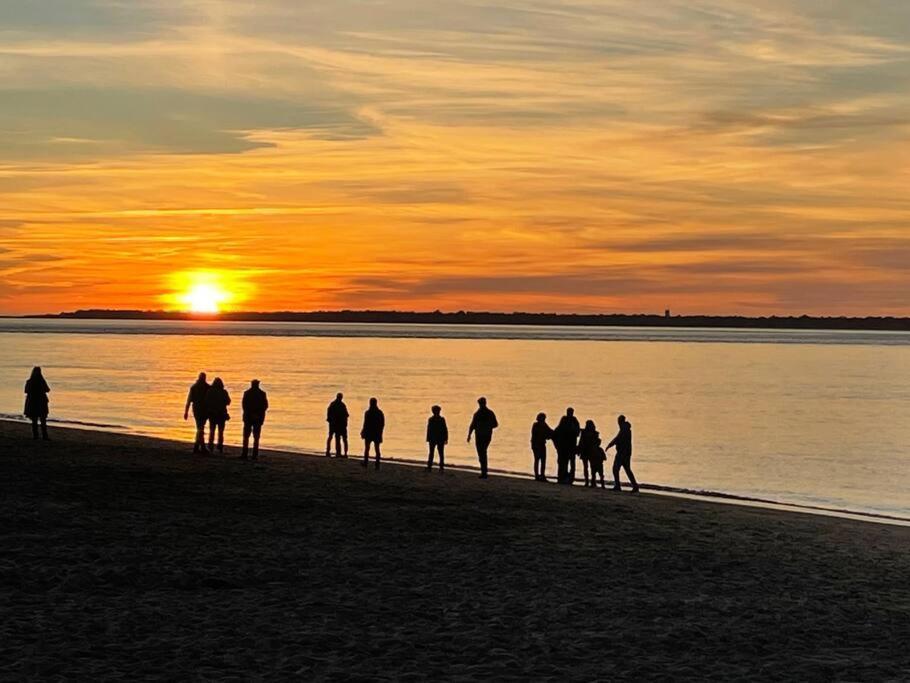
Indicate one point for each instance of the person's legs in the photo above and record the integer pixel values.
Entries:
(378, 454)
(432, 448)
(328, 444)
(617, 463)
(562, 465)
(211, 436)
(584, 462)
(247, 430)
(44, 428)
(337, 445)
(570, 473)
(221, 425)
(627, 466)
(344, 438)
(199, 446)
(35, 428)
(257, 433)
(366, 453)
(442, 457)
(482, 444)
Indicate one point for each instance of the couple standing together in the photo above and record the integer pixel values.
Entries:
(373, 427)
(210, 402)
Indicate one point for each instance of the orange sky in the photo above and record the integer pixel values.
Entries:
(713, 156)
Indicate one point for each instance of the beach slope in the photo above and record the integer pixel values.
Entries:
(126, 557)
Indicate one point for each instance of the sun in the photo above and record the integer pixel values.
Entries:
(205, 298)
(205, 292)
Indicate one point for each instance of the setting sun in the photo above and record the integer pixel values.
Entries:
(205, 298)
(206, 292)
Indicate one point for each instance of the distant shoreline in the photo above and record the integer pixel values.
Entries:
(803, 322)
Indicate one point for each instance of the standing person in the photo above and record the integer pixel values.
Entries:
(255, 406)
(588, 443)
(337, 417)
(623, 459)
(482, 426)
(540, 433)
(566, 439)
(196, 399)
(437, 438)
(37, 404)
(217, 400)
(373, 427)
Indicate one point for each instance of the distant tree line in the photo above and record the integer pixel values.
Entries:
(803, 322)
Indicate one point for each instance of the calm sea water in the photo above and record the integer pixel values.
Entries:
(817, 417)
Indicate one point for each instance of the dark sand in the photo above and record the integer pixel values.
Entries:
(129, 558)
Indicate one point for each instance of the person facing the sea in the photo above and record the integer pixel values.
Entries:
(196, 399)
(482, 426)
(217, 400)
(588, 443)
(337, 417)
(37, 404)
(565, 436)
(540, 433)
(437, 438)
(255, 406)
(623, 458)
(373, 427)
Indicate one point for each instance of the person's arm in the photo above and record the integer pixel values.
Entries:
(186, 408)
(613, 442)
(471, 428)
(265, 403)
(227, 398)
(428, 430)
(495, 421)
(47, 389)
(445, 431)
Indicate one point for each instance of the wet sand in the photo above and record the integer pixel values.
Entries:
(127, 557)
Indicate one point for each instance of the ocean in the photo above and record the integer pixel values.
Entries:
(813, 418)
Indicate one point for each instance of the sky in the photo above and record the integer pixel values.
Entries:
(707, 156)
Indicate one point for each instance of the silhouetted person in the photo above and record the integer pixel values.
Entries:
(217, 400)
(482, 425)
(255, 406)
(565, 437)
(588, 443)
(623, 459)
(196, 399)
(597, 459)
(337, 417)
(437, 438)
(373, 427)
(37, 404)
(540, 433)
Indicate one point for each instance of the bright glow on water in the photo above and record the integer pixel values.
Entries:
(808, 417)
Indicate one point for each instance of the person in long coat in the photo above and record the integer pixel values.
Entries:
(217, 400)
(195, 399)
(588, 443)
(540, 434)
(373, 427)
(37, 404)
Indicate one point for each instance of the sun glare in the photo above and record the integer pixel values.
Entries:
(204, 292)
(205, 298)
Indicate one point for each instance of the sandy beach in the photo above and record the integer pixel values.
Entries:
(129, 558)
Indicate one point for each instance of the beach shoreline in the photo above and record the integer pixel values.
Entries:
(719, 497)
(128, 557)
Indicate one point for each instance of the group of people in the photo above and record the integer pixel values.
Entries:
(210, 402)
(570, 440)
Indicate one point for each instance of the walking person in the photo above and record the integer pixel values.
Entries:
(482, 426)
(337, 416)
(37, 404)
(373, 427)
(196, 399)
(540, 433)
(217, 400)
(565, 436)
(255, 405)
(588, 443)
(437, 438)
(623, 458)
